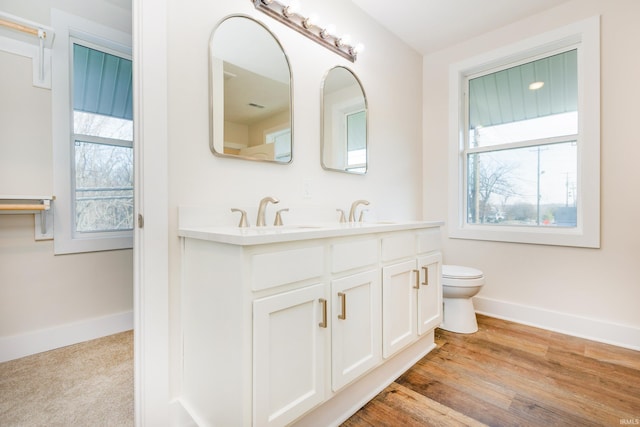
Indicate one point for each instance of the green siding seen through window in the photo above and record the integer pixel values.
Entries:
(504, 96)
(102, 83)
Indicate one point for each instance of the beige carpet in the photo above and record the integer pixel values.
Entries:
(86, 384)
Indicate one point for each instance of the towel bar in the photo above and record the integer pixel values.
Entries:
(17, 205)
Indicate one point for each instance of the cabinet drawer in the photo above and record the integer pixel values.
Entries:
(282, 267)
(401, 245)
(429, 240)
(348, 255)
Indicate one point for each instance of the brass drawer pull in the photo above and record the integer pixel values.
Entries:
(323, 324)
(417, 285)
(343, 301)
(426, 276)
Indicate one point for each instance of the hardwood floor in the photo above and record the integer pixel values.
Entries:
(509, 374)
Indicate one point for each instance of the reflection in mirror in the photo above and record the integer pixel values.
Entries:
(344, 122)
(250, 92)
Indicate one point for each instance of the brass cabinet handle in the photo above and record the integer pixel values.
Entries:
(426, 276)
(323, 324)
(343, 302)
(417, 285)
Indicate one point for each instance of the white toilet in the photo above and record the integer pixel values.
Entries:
(459, 284)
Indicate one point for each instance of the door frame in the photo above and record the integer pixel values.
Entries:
(150, 249)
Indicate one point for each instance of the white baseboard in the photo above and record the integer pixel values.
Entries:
(16, 346)
(583, 327)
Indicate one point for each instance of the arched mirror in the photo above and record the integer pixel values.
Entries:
(344, 122)
(250, 92)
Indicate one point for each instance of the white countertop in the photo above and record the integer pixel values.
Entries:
(297, 232)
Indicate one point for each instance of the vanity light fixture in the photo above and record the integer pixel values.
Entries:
(288, 12)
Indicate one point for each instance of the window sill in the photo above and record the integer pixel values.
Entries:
(553, 236)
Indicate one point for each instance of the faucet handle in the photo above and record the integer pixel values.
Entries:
(342, 217)
(243, 218)
(361, 218)
(278, 220)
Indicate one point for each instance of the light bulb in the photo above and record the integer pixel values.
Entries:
(328, 31)
(354, 51)
(311, 21)
(536, 85)
(292, 8)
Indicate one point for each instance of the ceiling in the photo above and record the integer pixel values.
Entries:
(431, 25)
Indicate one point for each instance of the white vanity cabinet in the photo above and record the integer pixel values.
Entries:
(288, 331)
(355, 327)
(289, 342)
(356, 322)
(411, 289)
(293, 330)
(429, 293)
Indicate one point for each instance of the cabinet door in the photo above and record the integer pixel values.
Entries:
(399, 293)
(430, 293)
(356, 326)
(288, 354)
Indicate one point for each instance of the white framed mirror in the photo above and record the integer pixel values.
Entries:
(343, 122)
(250, 92)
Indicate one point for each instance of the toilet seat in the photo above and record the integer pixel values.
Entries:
(461, 277)
(460, 272)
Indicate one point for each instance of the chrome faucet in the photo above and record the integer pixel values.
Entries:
(262, 208)
(354, 206)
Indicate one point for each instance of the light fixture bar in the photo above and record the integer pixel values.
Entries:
(288, 16)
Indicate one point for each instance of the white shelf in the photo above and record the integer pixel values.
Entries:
(40, 206)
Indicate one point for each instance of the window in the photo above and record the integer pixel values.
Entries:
(281, 138)
(103, 141)
(93, 137)
(525, 141)
(520, 149)
(357, 141)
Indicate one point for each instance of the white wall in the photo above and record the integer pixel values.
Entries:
(391, 74)
(48, 301)
(588, 292)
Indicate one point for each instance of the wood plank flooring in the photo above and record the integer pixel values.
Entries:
(508, 374)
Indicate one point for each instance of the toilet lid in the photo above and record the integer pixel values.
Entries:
(460, 272)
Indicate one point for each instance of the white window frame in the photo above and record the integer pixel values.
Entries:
(357, 167)
(586, 36)
(68, 26)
